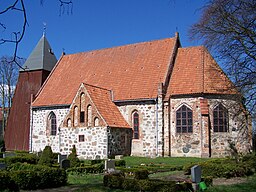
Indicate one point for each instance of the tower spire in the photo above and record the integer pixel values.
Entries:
(44, 29)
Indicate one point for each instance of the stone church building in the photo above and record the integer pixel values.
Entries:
(146, 99)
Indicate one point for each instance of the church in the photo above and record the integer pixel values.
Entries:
(148, 99)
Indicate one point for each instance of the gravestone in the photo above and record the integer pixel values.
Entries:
(65, 164)
(9, 155)
(119, 157)
(196, 174)
(61, 157)
(109, 165)
(2, 166)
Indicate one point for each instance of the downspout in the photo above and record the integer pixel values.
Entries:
(156, 127)
(31, 123)
(59, 138)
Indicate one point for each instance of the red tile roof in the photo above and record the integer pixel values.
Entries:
(131, 71)
(195, 71)
(106, 108)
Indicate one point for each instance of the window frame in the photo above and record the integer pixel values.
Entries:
(52, 123)
(136, 125)
(184, 120)
(220, 119)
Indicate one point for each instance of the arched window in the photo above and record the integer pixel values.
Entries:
(75, 116)
(184, 120)
(82, 106)
(135, 117)
(220, 119)
(96, 122)
(52, 123)
(69, 122)
(89, 115)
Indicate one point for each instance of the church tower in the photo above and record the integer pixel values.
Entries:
(36, 69)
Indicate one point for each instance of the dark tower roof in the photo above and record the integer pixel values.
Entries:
(42, 57)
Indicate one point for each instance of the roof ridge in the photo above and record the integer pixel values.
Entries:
(120, 46)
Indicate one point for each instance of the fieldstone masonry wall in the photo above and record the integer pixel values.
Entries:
(94, 144)
(146, 144)
(204, 142)
(39, 132)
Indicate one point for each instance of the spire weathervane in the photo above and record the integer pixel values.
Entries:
(44, 31)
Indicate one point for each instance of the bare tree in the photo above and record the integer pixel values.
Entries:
(66, 6)
(228, 29)
(9, 74)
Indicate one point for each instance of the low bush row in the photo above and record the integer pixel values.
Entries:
(97, 168)
(38, 177)
(222, 168)
(118, 181)
(25, 158)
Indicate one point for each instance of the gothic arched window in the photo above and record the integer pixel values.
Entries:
(89, 115)
(52, 123)
(135, 117)
(220, 119)
(184, 120)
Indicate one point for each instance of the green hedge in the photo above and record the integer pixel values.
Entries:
(118, 181)
(222, 168)
(97, 168)
(30, 177)
(25, 158)
(120, 163)
(6, 183)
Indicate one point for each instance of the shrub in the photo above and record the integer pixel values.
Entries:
(113, 180)
(97, 168)
(96, 161)
(74, 161)
(46, 157)
(25, 158)
(131, 185)
(141, 174)
(222, 168)
(6, 183)
(208, 180)
(39, 178)
(120, 163)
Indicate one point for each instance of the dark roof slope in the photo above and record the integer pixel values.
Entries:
(42, 57)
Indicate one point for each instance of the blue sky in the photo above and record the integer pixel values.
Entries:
(97, 24)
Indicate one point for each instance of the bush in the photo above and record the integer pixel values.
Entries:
(120, 163)
(113, 180)
(25, 158)
(131, 185)
(141, 174)
(97, 168)
(208, 180)
(46, 157)
(222, 168)
(74, 161)
(6, 183)
(96, 161)
(39, 178)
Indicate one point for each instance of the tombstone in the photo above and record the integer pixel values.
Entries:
(61, 157)
(8, 155)
(119, 157)
(2, 166)
(109, 165)
(65, 164)
(196, 174)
